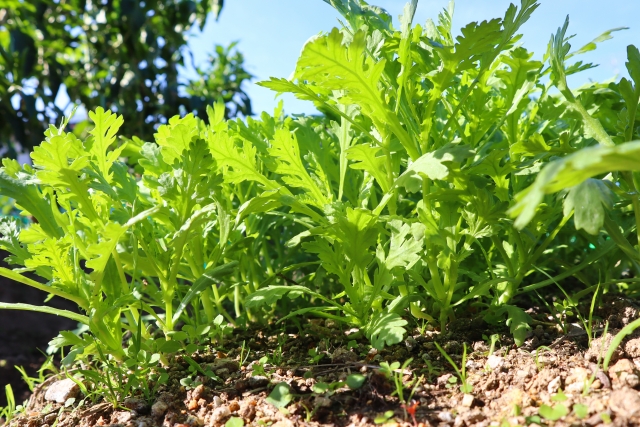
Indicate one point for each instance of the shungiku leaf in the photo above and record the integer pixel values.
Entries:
(588, 200)
(571, 171)
(284, 148)
(385, 329)
(433, 165)
(104, 133)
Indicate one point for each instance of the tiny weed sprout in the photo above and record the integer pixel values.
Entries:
(7, 412)
(383, 418)
(465, 386)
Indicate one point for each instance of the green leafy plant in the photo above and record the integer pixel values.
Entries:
(461, 372)
(7, 412)
(234, 422)
(397, 204)
(558, 410)
(280, 396)
(32, 382)
(396, 372)
(383, 418)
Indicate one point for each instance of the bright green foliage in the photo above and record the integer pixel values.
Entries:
(394, 206)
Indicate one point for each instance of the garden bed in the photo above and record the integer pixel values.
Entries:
(555, 378)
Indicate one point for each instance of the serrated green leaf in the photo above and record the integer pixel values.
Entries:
(365, 157)
(385, 329)
(588, 200)
(175, 137)
(593, 44)
(284, 147)
(432, 165)
(496, 166)
(104, 133)
(271, 294)
(237, 164)
(356, 230)
(571, 171)
(10, 242)
(55, 254)
(406, 244)
(633, 64)
(329, 63)
(101, 252)
(27, 195)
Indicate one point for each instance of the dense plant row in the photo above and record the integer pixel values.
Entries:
(395, 206)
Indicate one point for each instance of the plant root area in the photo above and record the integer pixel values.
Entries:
(555, 378)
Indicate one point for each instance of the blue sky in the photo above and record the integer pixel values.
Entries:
(271, 33)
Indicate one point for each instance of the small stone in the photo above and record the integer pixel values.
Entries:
(136, 404)
(121, 417)
(330, 323)
(197, 392)
(600, 346)
(445, 416)
(220, 414)
(234, 406)
(494, 362)
(342, 355)
(632, 380)
(624, 402)
(220, 365)
(252, 383)
(632, 347)
(283, 423)
(621, 370)
(159, 408)
(217, 401)
(622, 365)
(248, 409)
(576, 380)
(62, 390)
(410, 343)
(192, 405)
(258, 381)
(468, 400)
(554, 385)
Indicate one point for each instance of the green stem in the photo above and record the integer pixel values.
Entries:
(44, 309)
(628, 177)
(10, 274)
(614, 232)
(584, 264)
(540, 249)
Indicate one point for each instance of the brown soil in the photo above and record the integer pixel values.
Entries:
(512, 386)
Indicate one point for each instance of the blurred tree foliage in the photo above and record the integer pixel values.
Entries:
(119, 54)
